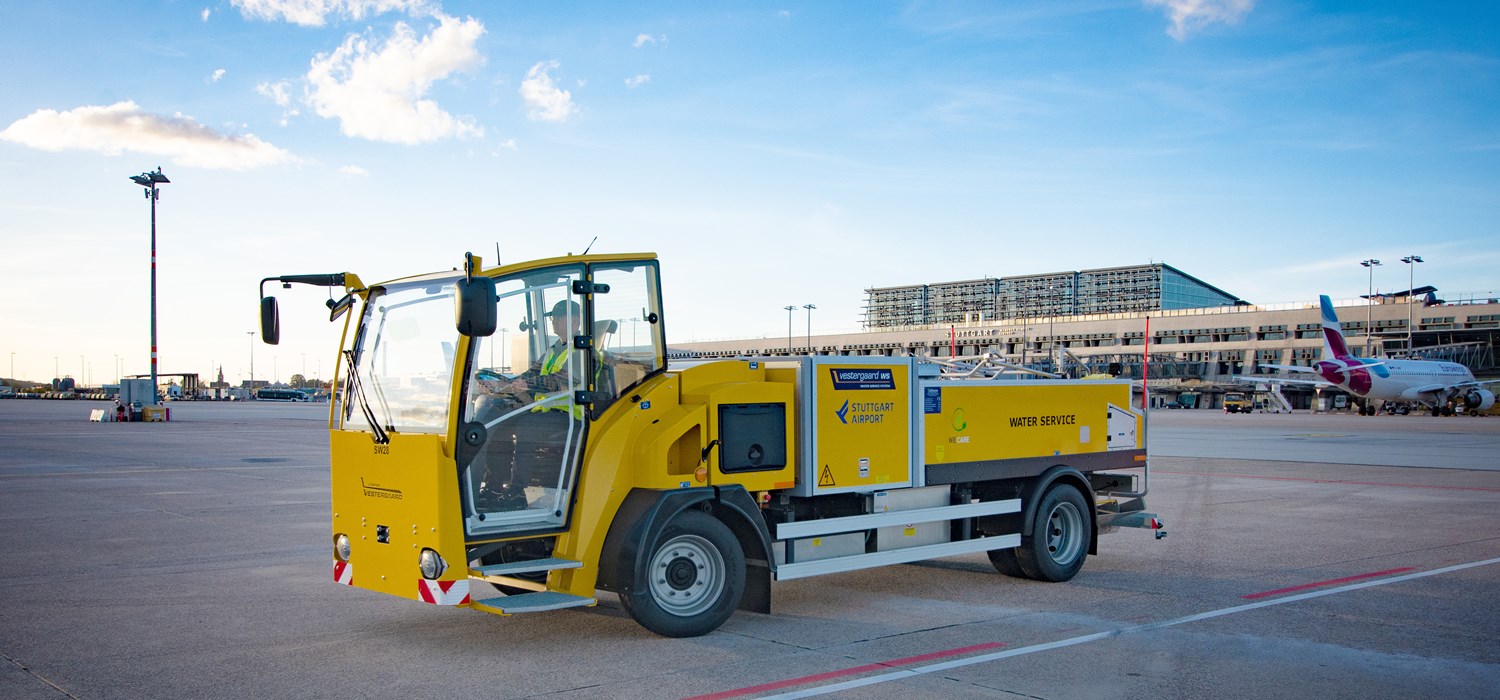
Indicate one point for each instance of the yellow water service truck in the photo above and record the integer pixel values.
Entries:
(513, 439)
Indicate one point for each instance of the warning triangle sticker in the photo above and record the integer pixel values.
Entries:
(826, 478)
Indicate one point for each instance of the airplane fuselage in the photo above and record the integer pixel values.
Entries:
(1391, 380)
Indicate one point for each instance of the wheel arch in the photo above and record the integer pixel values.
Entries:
(643, 517)
(1059, 474)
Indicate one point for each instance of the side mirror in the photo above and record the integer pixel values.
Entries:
(270, 321)
(474, 307)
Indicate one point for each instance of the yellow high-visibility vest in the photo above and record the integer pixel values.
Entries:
(552, 364)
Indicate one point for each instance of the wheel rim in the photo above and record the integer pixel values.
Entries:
(1064, 533)
(687, 575)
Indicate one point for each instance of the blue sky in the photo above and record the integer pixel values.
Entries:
(772, 154)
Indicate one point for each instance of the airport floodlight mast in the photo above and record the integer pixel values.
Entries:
(1370, 265)
(1411, 267)
(251, 385)
(789, 310)
(809, 308)
(150, 181)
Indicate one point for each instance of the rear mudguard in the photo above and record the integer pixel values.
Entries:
(1038, 486)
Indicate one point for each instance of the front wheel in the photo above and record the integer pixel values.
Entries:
(1060, 537)
(694, 578)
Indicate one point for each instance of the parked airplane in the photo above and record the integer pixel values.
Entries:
(1433, 384)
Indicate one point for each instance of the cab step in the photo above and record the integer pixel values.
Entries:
(532, 602)
(523, 567)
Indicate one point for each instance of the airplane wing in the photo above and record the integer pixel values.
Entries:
(1289, 368)
(1434, 390)
(1257, 379)
(1475, 383)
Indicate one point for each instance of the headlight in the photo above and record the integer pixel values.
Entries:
(341, 547)
(431, 564)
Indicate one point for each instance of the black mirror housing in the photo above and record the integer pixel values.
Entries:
(474, 307)
(270, 321)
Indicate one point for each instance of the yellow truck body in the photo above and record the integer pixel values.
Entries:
(689, 487)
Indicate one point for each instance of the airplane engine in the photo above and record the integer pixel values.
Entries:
(1479, 399)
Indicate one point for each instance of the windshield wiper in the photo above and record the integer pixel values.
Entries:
(356, 388)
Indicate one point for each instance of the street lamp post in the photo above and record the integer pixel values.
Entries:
(1411, 267)
(1051, 337)
(789, 310)
(1370, 265)
(252, 360)
(809, 308)
(150, 181)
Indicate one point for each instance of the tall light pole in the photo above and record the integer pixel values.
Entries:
(809, 308)
(252, 360)
(503, 348)
(150, 181)
(1370, 265)
(1051, 337)
(789, 310)
(1411, 268)
(13, 367)
(117, 369)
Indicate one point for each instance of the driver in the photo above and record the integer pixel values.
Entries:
(528, 447)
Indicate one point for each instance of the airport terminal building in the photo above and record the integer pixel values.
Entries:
(1090, 321)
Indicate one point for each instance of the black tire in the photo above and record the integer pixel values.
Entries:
(694, 578)
(1060, 536)
(1005, 562)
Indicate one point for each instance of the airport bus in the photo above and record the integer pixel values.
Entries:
(280, 395)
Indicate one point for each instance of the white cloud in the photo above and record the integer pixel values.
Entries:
(218, 75)
(1192, 15)
(644, 39)
(206, 13)
(637, 81)
(376, 91)
(314, 13)
(280, 93)
(354, 170)
(508, 144)
(122, 127)
(547, 102)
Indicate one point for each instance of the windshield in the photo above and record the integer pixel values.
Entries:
(403, 360)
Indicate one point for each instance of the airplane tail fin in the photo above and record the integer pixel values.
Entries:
(1334, 346)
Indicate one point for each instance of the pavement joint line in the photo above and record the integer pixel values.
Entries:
(1335, 481)
(1148, 627)
(39, 677)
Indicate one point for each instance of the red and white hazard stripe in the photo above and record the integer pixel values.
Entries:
(443, 592)
(343, 572)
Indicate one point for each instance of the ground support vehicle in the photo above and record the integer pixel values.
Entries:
(685, 489)
(1235, 402)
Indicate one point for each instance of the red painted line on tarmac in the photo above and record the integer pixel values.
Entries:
(817, 677)
(1490, 489)
(1320, 584)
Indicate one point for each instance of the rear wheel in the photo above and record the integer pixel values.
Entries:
(1060, 536)
(694, 578)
